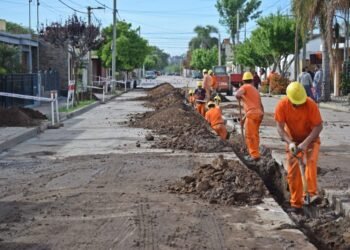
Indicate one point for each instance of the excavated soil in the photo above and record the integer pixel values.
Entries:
(223, 182)
(20, 117)
(181, 127)
(324, 227)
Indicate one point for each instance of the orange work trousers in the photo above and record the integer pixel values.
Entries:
(294, 176)
(200, 107)
(252, 140)
(221, 130)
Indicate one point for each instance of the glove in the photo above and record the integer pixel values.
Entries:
(293, 148)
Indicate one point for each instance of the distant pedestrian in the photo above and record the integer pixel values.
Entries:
(317, 83)
(306, 80)
(256, 80)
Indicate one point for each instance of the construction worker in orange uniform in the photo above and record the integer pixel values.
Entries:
(214, 83)
(214, 117)
(206, 84)
(199, 94)
(191, 97)
(254, 112)
(299, 124)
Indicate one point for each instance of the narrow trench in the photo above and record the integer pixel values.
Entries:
(273, 176)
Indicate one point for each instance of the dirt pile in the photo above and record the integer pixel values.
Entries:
(182, 127)
(20, 117)
(224, 182)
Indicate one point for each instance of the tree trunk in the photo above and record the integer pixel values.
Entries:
(76, 97)
(326, 83)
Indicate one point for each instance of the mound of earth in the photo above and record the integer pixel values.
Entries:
(173, 98)
(20, 117)
(224, 182)
(184, 129)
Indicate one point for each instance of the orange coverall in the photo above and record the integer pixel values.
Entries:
(191, 99)
(299, 122)
(214, 117)
(214, 83)
(207, 79)
(254, 115)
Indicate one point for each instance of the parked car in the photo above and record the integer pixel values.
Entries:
(197, 74)
(150, 75)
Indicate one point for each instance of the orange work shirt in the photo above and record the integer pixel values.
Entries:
(214, 82)
(207, 82)
(214, 116)
(299, 120)
(251, 100)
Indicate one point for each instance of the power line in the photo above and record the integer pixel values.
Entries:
(104, 5)
(71, 7)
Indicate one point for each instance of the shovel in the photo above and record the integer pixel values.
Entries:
(303, 178)
(240, 118)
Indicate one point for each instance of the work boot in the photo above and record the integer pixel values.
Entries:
(315, 199)
(295, 210)
(250, 160)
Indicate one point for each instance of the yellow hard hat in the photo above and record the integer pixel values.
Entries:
(191, 92)
(217, 98)
(210, 72)
(296, 93)
(205, 71)
(210, 104)
(247, 76)
(199, 84)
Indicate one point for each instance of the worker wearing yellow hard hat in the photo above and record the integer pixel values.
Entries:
(217, 100)
(254, 113)
(191, 97)
(199, 95)
(214, 118)
(206, 84)
(299, 124)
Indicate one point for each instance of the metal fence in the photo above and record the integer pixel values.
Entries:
(27, 84)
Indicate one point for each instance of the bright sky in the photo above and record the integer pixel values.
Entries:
(167, 24)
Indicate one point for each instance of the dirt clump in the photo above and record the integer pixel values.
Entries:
(224, 182)
(181, 126)
(20, 117)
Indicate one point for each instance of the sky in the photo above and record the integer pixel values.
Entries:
(167, 24)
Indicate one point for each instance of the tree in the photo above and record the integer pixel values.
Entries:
(131, 48)
(15, 28)
(157, 59)
(75, 35)
(203, 39)
(265, 47)
(204, 58)
(308, 11)
(9, 59)
(229, 9)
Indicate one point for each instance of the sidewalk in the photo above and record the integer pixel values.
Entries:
(11, 136)
(334, 171)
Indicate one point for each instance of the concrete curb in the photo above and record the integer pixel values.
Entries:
(17, 139)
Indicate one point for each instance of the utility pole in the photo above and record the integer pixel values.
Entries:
(113, 44)
(89, 69)
(37, 30)
(219, 50)
(30, 62)
(237, 27)
(37, 49)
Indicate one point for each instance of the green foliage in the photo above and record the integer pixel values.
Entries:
(131, 48)
(173, 68)
(204, 58)
(203, 39)
(228, 10)
(15, 28)
(270, 43)
(157, 59)
(9, 59)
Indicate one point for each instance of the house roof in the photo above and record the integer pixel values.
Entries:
(17, 39)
